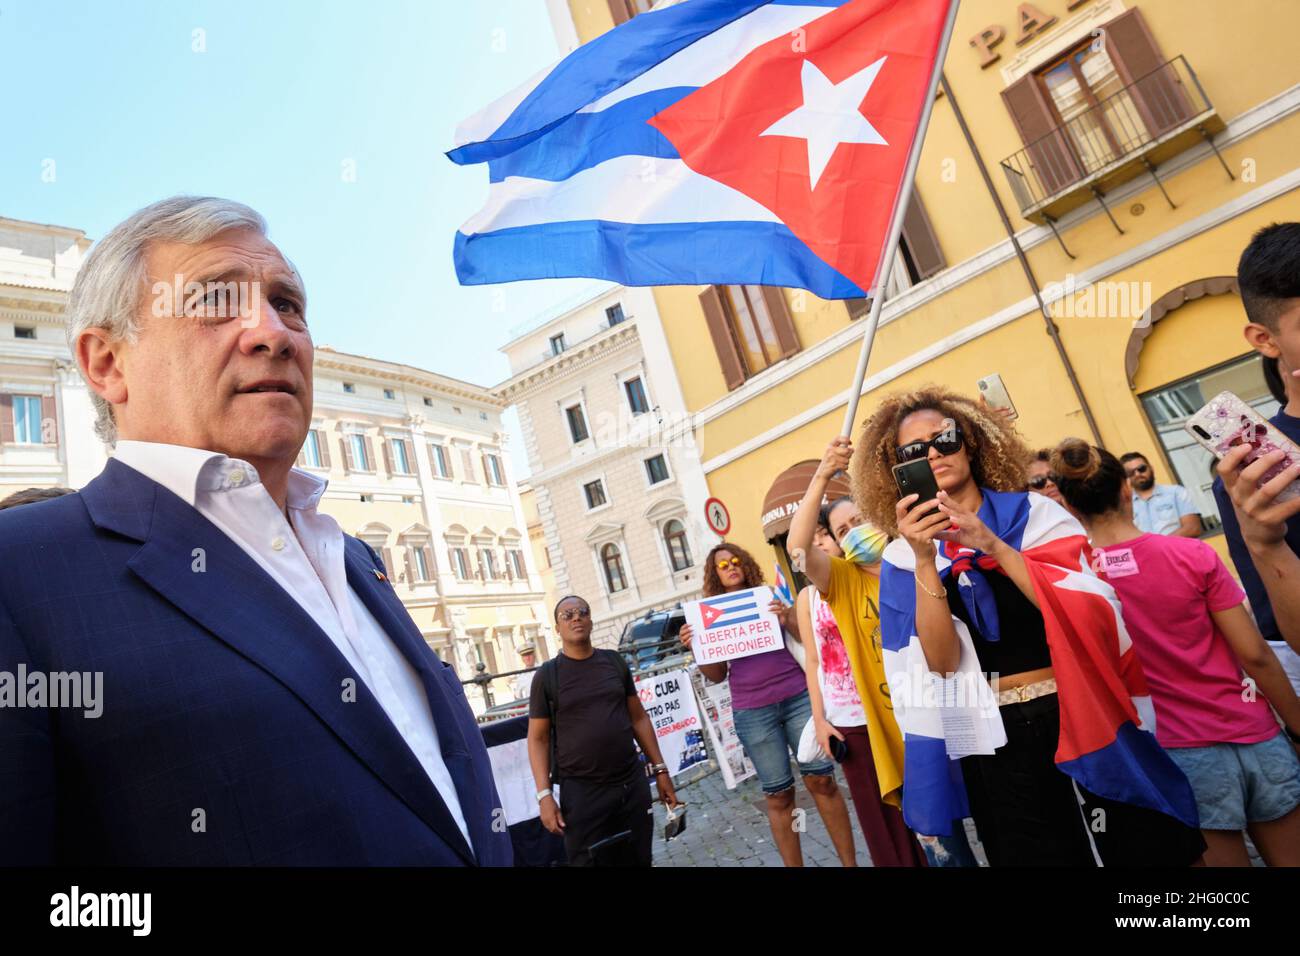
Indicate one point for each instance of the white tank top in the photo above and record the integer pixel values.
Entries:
(840, 697)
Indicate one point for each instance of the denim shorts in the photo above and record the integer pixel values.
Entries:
(769, 735)
(1240, 784)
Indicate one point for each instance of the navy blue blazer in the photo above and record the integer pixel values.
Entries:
(226, 737)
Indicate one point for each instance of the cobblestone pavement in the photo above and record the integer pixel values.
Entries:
(730, 828)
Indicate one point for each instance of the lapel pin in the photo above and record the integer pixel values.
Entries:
(379, 574)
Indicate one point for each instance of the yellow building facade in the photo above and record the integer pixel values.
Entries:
(1067, 102)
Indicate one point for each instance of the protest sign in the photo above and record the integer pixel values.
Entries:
(668, 700)
(733, 625)
(715, 701)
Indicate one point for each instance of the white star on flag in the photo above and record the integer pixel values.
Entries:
(829, 115)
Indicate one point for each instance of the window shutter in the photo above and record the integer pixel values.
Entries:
(1048, 146)
(487, 472)
(857, 308)
(733, 371)
(408, 446)
(451, 559)
(370, 455)
(428, 561)
(349, 462)
(409, 563)
(388, 560)
(6, 418)
(619, 11)
(323, 444)
(921, 240)
(467, 459)
(302, 456)
(49, 421)
(388, 454)
(782, 321)
(1157, 93)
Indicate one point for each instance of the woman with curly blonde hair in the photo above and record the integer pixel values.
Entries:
(969, 592)
(770, 701)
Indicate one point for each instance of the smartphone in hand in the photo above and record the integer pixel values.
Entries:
(1226, 422)
(995, 394)
(916, 478)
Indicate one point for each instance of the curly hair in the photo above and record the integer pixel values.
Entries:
(999, 457)
(748, 566)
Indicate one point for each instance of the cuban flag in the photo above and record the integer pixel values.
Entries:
(715, 141)
(1107, 740)
(783, 586)
(725, 610)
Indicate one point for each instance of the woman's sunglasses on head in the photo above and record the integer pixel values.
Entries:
(573, 613)
(947, 442)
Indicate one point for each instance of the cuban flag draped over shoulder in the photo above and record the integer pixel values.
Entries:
(753, 142)
(1107, 740)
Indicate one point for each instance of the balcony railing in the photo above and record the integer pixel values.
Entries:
(1129, 132)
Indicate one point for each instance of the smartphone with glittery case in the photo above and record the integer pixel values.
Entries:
(1226, 422)
(995, 394)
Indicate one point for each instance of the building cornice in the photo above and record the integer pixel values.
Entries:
(41, 304)
(361, 365)
(580, 357)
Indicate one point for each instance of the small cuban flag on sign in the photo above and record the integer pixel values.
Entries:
(728, 609)
(783, 587)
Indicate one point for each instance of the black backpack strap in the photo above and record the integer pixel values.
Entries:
(550, 672)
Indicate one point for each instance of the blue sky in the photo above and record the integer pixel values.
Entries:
(284, 94)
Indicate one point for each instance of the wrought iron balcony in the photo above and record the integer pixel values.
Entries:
(1131, 132)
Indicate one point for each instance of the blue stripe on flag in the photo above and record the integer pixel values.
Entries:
(586, 139)
(724, 599)
(736, 608)
(897, 607)
(1135, 769)
(640, 254)
(728, 621)
(604, 64)
(934, 794)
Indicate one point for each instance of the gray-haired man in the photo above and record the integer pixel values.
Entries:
(267, 699)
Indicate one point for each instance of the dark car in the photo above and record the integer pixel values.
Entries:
(652, 638)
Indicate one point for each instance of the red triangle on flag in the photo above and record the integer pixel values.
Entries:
(710, 614)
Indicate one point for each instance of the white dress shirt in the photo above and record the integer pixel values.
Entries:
(306, 559)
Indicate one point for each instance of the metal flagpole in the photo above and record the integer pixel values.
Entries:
(890, 247)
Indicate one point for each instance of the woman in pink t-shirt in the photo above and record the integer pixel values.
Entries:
(1193, 636)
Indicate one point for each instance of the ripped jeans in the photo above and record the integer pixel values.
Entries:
(951, 850)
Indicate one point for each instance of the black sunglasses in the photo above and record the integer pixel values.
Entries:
(1137, 470)
(1040, 481)
(947, 442)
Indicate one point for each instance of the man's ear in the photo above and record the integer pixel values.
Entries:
(1261, 339)
(102, 363)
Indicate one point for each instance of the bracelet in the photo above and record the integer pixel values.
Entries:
(942, 595)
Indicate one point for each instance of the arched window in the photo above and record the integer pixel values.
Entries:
(679, 550)
(612, 562)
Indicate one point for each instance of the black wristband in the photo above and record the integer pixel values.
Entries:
(1295, 738)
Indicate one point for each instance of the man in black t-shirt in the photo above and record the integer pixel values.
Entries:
(590, 698)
